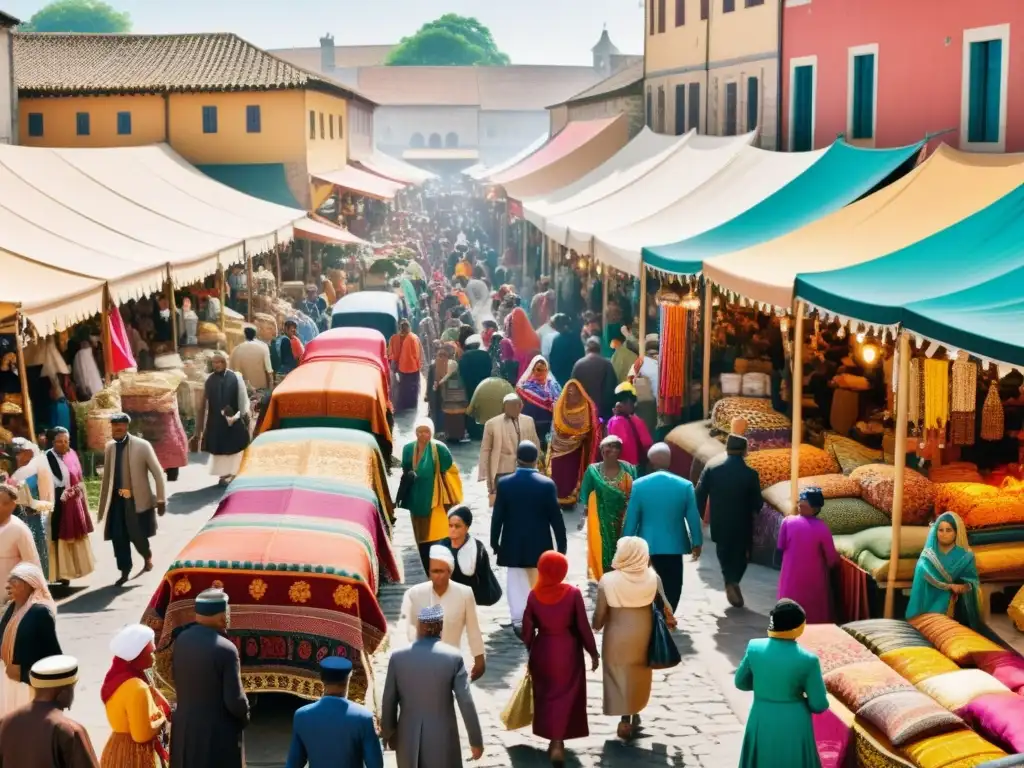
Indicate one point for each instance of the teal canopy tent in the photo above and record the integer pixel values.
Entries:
(962, 286)
(267, 181)
(843, 174)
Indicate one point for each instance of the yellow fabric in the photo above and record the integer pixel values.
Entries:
(1016, 609)
(936, 393)
(791, 634)
(518, 713)
(952, 638)
(132, 710)
(955, 690)
(961, 498)
(999, 562)
(959, 749)
(447, 493)
(594, 562)
(917, 664)
(949, 186)
(773, 464)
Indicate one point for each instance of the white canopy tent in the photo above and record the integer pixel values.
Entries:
(749, 178)
(392, 168)
(481, 171)
(680, 173)
(643, 153)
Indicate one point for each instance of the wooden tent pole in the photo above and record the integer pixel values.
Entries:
(222, 281)
(706, 360)
(899, 466)
(26, 398)
(105, 340)
(172, 300)
(796, 395)
(250, 286)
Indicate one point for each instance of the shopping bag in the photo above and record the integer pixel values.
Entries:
(661, 650)
(518, 713)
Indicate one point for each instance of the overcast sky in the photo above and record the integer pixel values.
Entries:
(530, 31)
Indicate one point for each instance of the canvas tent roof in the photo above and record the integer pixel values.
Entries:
(119, 216)
(481, 171)
(392, 168)
(322, 232)
(577, 149)
(961, 286)
(361, 182)
(680, 172)
(838, 177)
(646, 150)
(949, 186)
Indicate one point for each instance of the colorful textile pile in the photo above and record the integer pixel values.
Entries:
(964, 401)
(151, 399)
(773, 465)
(993, 418)
(980, 505)
(765, 428)
(672, 359)
(877, 482)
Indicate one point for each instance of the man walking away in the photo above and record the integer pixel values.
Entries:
(418, 710)
(598, 378)
(662, 506)
(526, 511)
(226, 426)
(212, 708)
(251, 358)
(502, 436)
(39, 734)
(126, 497)
(734, 490)
(334, 731)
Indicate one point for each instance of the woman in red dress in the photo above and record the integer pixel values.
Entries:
(556, 632)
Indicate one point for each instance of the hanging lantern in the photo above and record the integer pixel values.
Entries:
(869, 354)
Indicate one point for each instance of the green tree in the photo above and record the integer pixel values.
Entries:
(450, 41)
(78, 16)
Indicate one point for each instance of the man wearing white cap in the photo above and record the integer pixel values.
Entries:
(502, 436)
(459, 605)
(417, 717)
(40, 735)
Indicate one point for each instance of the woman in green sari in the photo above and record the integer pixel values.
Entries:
(428, 487)
(605, 490)
(946, 578)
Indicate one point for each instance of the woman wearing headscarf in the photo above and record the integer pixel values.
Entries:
(423, 490)
(788, 688)
(34, 482)
(448, 394)
(623, 612)
(472, 563)
(574, 441)
(808, 557)
(474, 368)
(556, 633)
(138, 714)
(946, 577)
(70, 553)
(525, 341)
(605, 490)
(28, 633)
(539, 391)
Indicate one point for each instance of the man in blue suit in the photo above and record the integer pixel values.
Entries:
(334, 732)
(661, 508)
(526, 511)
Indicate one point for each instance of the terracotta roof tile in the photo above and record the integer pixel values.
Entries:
(56, 64)
(345, 56)
(627, 77)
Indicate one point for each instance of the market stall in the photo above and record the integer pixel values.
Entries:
(377, 310)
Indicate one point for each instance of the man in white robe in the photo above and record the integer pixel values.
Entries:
(226, 431)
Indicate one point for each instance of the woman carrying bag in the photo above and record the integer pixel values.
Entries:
(472, 563)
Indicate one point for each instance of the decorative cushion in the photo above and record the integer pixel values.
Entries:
(878, 568)
(832, 487)
(955, 690)
(773, 465)
(958, 749)
(1000, 562)
(730, 383)
(952, 638)
(857, 684)
(689, 437)
(757, 412)
(756, 385)
(850, 454)
(962, 497)
(851, 516)
(917, 663)
(876, 485)
(1000, 510)
(906, 716)
(878, 541)
(882, 635)
(1005, 666)
(999, 717)
(833, 647)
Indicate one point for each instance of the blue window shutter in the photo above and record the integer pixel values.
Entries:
(124, 123)
(993, 80)
(35, 124)
(680, 110)
(253, 124)
(863, 96)
(731, 108)
(728, 6)
(753, 107)
(976, 99)
(209, 119)
(803, 108)
(82, 123)
(693, 119)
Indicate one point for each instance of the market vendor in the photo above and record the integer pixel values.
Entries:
(314, 306)
(946, 577)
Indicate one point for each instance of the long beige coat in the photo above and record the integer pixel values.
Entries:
(142, 463)
(499, 446)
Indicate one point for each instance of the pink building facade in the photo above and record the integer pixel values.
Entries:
(887, 72)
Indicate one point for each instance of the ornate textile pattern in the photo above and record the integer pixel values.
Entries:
(917, 663)
(992, 415)
(952, 638)
(833, 647)
(883, 635)
(908, 715)
(915, 399)
(857, 684)
(959, 749)
(757, 412)
(849, 453)
(767, 524)
(955, 690)
(877, 482)
(773, 466)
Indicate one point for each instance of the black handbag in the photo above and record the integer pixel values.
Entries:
(661, 650)
(405, 488)
(488, 591)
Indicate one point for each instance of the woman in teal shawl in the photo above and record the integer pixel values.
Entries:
(946, 578)
(422, 491)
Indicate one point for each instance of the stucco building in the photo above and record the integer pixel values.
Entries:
(887, 73)
(621, 93)
(243, 116)
(713, 65)
(8, 93)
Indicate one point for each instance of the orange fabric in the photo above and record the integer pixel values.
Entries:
(464, 269)
(524, 339)
(551, 571)
(297, 348)
(405, 352)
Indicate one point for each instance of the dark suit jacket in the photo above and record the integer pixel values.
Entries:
(334, 732)
(734, 489)
(525, 512)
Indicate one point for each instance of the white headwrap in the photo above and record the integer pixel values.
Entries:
(423, 421)
(131, 641)
(444, 555)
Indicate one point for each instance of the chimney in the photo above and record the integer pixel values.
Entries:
(327, 53)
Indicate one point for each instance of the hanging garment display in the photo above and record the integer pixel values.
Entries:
(672, 359)
(964, 401)
(992, 423)
(915, 398)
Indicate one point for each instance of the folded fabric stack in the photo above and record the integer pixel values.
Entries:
(992, 515)
(773, 465)
(871, 550)
(877, 483)
(151, 399)
(850, 454)
(766, 428)
(692, 447)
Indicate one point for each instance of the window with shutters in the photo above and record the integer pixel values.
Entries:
(661, 15)
(124, 123)
(693, 107)
(801, 122)
(253, 119)
(341, 127)
(985, 92)
(650, 110)
(661, 109)
(35, 124)
(705, 9)
(731, 106)
(651, 15)
(728, 6)
(209, 119)
(82, 123)
(323, 133)
(862, 94)
(753, 103)
(312, 124)
(752, 3)
(680, 110)
(680, 12)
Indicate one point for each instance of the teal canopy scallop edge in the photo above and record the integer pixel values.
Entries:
(843, 174)
(962, 286)
(267, 181)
